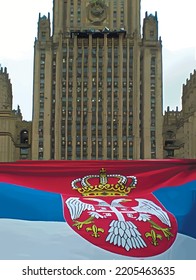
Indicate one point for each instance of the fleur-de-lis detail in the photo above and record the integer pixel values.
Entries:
(95, 231)
(154, 237)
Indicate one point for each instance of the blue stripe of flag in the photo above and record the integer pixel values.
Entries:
(29, 204)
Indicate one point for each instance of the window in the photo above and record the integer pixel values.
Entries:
(24, 151)
(24, 137)
(151, 33)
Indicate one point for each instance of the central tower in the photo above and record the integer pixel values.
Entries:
(97, 82)
(88, 14)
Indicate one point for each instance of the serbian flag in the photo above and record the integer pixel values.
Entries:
(105, 209)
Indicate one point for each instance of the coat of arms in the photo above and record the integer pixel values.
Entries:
(107, 214)
(97, 11)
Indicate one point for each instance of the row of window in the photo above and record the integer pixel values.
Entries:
(153, 104)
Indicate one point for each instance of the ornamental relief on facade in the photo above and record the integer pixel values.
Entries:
(97, 11)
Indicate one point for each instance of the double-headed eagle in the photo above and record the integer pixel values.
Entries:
(121, 233)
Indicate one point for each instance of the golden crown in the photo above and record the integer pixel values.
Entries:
(105, 185)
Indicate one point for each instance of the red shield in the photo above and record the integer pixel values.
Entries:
(130, 226)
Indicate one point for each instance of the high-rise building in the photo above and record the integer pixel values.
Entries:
(97, 82)
(15, 134)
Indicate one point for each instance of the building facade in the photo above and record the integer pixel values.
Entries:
(182, 125)
(97, 82)
(15, 134)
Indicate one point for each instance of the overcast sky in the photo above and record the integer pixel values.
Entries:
(18, 29)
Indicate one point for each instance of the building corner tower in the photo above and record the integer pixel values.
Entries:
(15, 133)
